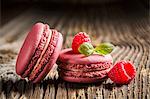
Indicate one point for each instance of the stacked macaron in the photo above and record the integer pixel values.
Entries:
(83, 69)
(39, 52)
(77, 67)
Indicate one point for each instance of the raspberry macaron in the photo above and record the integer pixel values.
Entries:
(83, 69)
(39, 52)
(82, 63)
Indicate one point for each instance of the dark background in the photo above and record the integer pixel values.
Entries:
(12, 8)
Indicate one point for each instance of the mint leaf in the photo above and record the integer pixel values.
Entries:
(104, 48)
(86, 48)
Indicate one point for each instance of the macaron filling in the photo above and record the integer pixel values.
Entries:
(44, 39)
(85, 71)
(43, 52)
(86, 67)
(78, 74)
(45, 58)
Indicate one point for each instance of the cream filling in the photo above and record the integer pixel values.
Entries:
(101, 67)
(43, 52)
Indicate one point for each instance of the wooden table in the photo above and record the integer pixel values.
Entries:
(126, 27)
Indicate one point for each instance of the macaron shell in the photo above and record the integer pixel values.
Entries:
(68, 56)
(29, 46)
(52, 60)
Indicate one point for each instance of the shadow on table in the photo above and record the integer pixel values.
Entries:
(28, 88)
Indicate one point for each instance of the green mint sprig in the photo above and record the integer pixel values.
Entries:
(102, 49)
(86, 49)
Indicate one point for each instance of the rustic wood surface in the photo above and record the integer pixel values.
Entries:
(126, 27)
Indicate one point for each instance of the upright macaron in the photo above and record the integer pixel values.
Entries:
(76, 67)
(39, 52)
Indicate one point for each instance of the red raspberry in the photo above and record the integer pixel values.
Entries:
(122, 72)
(79, 38)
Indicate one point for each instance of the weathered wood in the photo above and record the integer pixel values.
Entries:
(126, 28)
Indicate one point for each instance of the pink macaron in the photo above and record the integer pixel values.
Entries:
(39, 52)
(83, 69)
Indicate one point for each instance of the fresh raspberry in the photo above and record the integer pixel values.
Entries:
(79, 38)
(122, 72)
